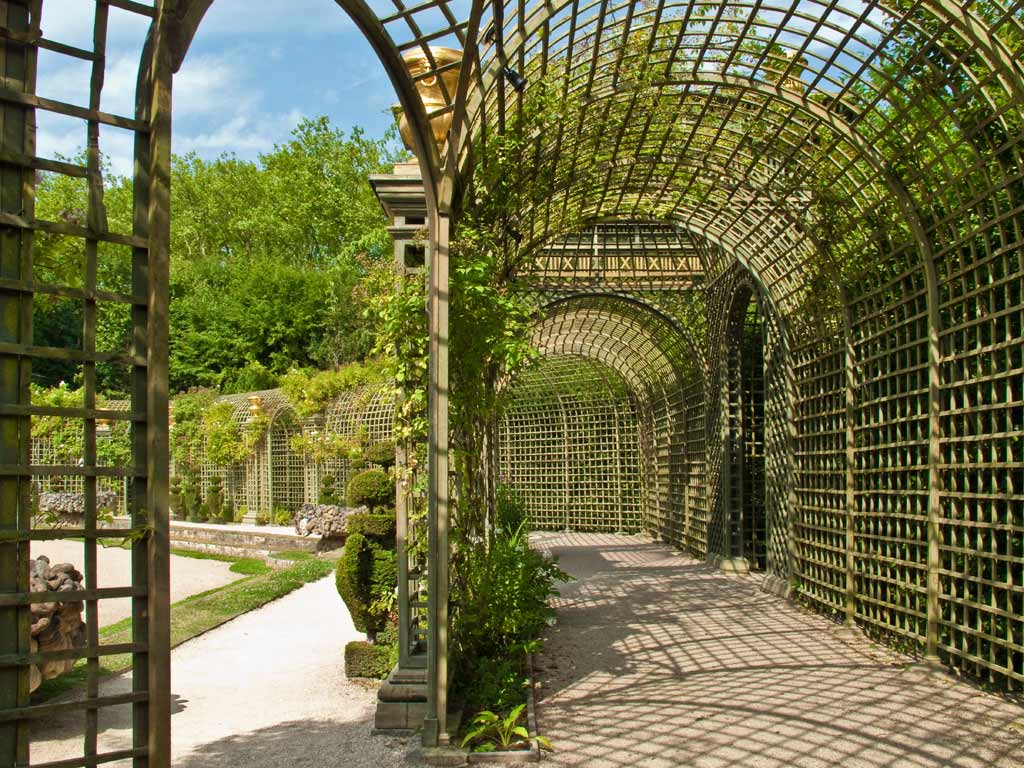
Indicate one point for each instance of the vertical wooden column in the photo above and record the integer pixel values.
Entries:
(435, 723)
(849, 363)
(934, 462)
(158, 728)
(17, 189)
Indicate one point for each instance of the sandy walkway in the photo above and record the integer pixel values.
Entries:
(659, 661)
(189, 576)
(266, 690)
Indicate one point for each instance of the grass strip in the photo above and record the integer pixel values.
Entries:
(195, 615)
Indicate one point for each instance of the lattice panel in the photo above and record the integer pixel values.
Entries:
(820, 514)
(982, 504)
(891, 537)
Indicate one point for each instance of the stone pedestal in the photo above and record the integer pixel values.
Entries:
(402, 701)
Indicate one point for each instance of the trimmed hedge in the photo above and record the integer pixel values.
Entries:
(365, 660)
(372, 488)
(353, 578)
(377, 527)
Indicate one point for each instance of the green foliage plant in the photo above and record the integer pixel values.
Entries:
(496, 733)
(282, 516)
(373, 488)
(310, 392)
(263, 517)
(241, 512)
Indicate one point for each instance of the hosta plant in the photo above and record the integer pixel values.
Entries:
(495, 732)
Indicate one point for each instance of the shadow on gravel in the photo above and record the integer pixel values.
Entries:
(301, 744)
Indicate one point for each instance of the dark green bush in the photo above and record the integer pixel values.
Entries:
(215, 498)
(189, 499)
(328, 492)
(380, 528)
(366, 577)
(353, 577)
(204, 513)
(365, 660)
(227, 512)
(175, 498)
(372, 488)
(382, 454)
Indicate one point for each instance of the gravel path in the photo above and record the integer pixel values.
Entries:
(266, 690)
(658, 660)
(189, 576)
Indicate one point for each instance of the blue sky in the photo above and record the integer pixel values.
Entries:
(253, 71)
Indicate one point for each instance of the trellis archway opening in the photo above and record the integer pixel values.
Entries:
(746, 528)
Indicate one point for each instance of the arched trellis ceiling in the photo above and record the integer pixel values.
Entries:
(646, 348)
(739, 119)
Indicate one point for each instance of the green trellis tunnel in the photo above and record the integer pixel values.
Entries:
(779, 243)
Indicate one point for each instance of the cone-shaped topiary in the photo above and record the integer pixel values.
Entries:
(372, 488)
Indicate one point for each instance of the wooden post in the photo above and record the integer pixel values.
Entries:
(435, 723)
(850, 602)
(157, 733)
(17, 189)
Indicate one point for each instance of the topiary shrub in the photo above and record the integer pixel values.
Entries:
(189, 499)
(372, 488)
(328, 491)
(353, 577)
(382, 453)
(365, 660)
(227, 512)
(175, 498)
(380, 528)
(215, 498)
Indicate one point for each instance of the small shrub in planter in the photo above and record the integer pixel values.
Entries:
(227, 512)
(372, 488)
(328, 491)
(240, 513)
(380, 528)
(263, 517)
(204, 513)
(365, 660)
(189, 499)
(175, 498)
(215, 498)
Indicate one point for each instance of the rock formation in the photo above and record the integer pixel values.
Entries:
(56, 626)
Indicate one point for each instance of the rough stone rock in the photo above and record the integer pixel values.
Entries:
(63, 504)
(56, 626)
(327, 520)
